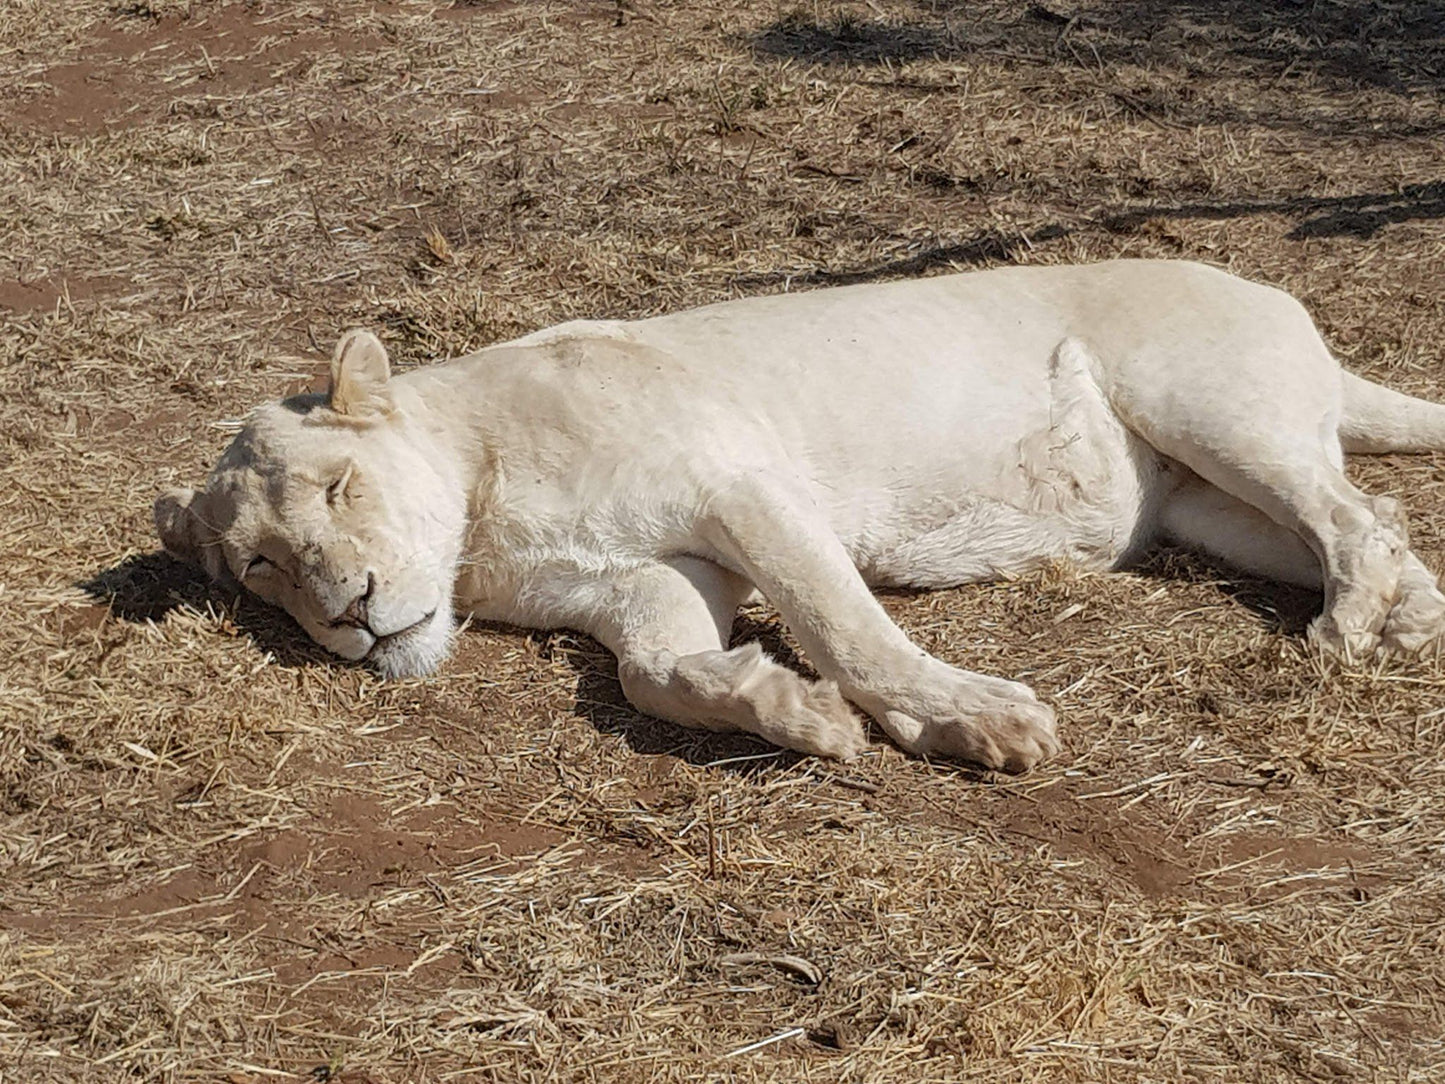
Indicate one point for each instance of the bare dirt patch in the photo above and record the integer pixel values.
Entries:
(19, 296)
(225, 856)
(137, 67)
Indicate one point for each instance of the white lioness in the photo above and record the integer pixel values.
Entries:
(637, 481)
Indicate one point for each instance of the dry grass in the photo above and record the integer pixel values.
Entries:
(224, 857)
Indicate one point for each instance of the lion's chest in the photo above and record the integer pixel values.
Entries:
(546, 553)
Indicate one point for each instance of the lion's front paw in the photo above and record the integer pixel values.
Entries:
(811, 717)
(827, 724)
(988, 721)
(1352, 645)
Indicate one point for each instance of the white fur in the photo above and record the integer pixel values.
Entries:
(638, 480)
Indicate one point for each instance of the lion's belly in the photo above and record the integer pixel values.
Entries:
(1062, 479)
(1101, 523)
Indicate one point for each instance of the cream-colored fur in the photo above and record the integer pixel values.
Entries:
(638, 480)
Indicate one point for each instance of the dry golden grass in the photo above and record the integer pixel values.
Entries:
(223, 856)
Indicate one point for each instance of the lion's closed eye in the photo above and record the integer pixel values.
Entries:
(254, 565)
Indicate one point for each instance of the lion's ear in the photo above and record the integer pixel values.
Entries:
(185, 534)
(359, 372)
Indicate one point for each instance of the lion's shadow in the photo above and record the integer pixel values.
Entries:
(1283, 609)
(150, 587)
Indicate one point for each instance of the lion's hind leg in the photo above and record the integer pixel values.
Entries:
(669, 629)
(1360, 542)
(1272, 453)
(1200, 516)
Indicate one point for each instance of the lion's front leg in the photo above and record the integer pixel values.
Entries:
(773, 533)
(669, 623)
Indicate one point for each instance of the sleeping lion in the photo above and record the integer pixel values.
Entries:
(639, 480)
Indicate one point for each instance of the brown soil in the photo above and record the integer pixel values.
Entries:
(136, 70)
(19, 296)
(226, 856)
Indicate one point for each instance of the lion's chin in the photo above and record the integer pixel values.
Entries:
(414, 653)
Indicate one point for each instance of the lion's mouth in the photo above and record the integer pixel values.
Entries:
(402, 633)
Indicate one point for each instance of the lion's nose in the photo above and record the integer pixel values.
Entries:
(355, 614)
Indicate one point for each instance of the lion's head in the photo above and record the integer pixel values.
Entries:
(342, 510)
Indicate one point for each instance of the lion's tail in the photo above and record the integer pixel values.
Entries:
(1378, 420)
